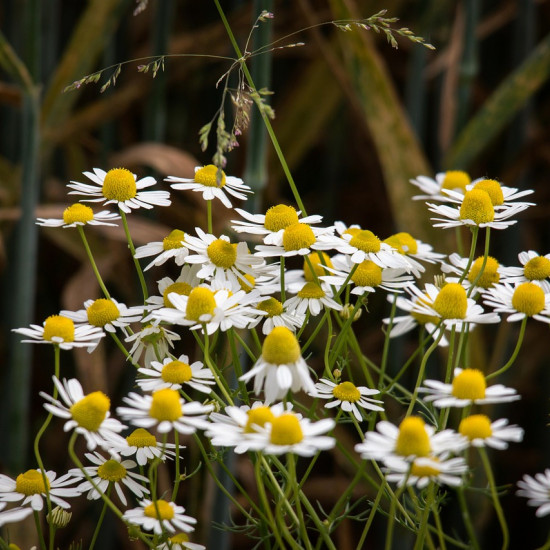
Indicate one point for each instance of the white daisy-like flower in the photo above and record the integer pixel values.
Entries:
(366, 276)
(291, 433)
(520, 301)
(312, 297)
(87, 414)
(474, 209)
(424, 470)
(481, 432)
(501, 195)
(450, 305)
(172, 246)
(29, 489)
(174, 374)
(236, 426)
(347, 396)
(119, 186)
(13, 515)
(180, 541)
(61, 331)
(536, 269)
(454, 180)
(144, 446)
(208, 310)
(159, 516)
(109, 472)
(80, 214)
(469, 387)
(537, 490)
(412, 439)
(166, 410)
(269, 224)
(154, 339)
(212, 185)
(278, 315)
(281, 367)
(220, 259)
(107, 314)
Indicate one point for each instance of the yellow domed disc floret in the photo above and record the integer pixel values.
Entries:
(476, 426)
(280, 217)
(286, 430)
(346, 391)
(102, 312)
(30, 483)
(469, 384)
(298, 236)
(176, 372)
(57, 326)
(208, 176)
(477, 206)
(451, 302)
(91, 410)
(258, 416)
(493, 189)
(119, 185)
(201, 302)
(537, 268)
(78, 213)
(183, 289)
(456, 180)
(490, 275)
(173, 240)
(412, 439)
(528, 298)
(281, 347)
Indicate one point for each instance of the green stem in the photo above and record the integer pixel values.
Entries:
(466, 518)
(209, 216)
(293, 483)
(425, 518)
(475, 232)
(217, 375)
(139, 271)
(514, 354)
(177, 466)
(484, 262)
(92, 262)
(100, 520)
(39, 530)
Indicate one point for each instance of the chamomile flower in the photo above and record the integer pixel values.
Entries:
(412, 439)
(537, 490)
(520, 301)
(119, 186)
(29, 489)
(281, 366)
(174, 374)
(159, 516)
(212, 185)
(61, 331)
(236, 427)
(172, 246)
(481, 432)
(13, 515)
(450, 305)
(469, 387)
(109, 472)
(87, 414)
(278, 315)
(276, 218)
(180, 541)
(536, 269)
(166, 410)
(106, 313)
(474, 209)
(454, 180)
(154, 339)
(144, 446)
(80, 214)
(347, 396)
(312, 297)
(424, 470)
(501, 195)
(220, 259)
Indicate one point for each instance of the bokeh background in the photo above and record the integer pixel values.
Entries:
(355, 119)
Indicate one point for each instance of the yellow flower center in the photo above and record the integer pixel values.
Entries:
(366, 241)
(258, 417)
(346, 391)
(101, 312)
(298, 236)
(412, 438)
(456, 180)
(469, 384)
(352, 231)
(286, 430)
(12, 546)
(537, 268)
(208, 175)
(476, 426)
(78, 213)
(280, 217)
(140, 437)
(318, 261)
(166, 405)
(57, 326)
(477, 206)
(249, 284)
(451, 302)
(222, 253)
(111, 471)
(311, 290)
(422, 318)
(272, 306)
(281, 347)
(119, 185)
(159, 510)
(183, 289)
(528, 298)
(490, 275)
(425, 470)
(403, 242)
(173, 240)
(493, 189)
(201, 302)
(91, 410)
(30, 483)
(176, 372)
(180, 537)
(367, 273)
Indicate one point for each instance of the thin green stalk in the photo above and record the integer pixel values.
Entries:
(217, 375)
(385, 349)
(373, 510)
(391, 521)
(92, 261)
(139, 271)
(209, 216)
(177, 476)
(39, 530)
(100, 519)
(237, 367)
(466, 518)
(475, 232)
(282, 278)
(425, 518)
(483, 263)
(512, 359)
(293, 483)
